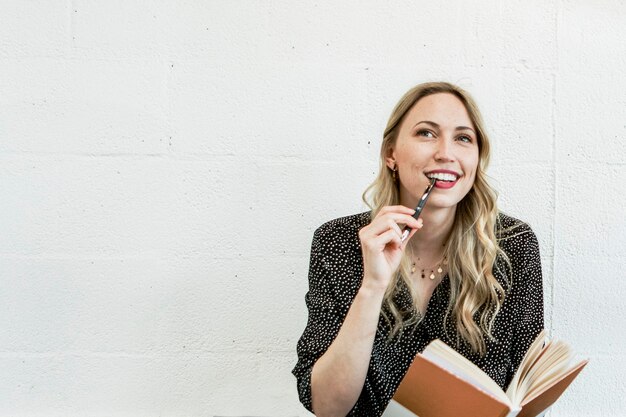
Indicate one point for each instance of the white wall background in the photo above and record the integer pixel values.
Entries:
(164, 164)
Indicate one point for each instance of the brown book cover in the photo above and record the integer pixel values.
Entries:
(429, 390)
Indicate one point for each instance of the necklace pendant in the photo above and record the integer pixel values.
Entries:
(432, 275)
(423, 275)
(439, 270)
(412, 268)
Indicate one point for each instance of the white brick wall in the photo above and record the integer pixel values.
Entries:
(163, 166)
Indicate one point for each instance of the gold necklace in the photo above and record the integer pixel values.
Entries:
(438, 268)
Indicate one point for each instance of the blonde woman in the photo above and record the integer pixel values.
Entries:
(467, 274)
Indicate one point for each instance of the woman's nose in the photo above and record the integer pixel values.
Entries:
(443, 152)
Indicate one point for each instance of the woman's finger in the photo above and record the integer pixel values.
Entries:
(406, 241)
(380, 224)
(382, 240)
(395, 227)
(397, 209)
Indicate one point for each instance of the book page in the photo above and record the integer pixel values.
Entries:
(534, 351)
(546, 369)
(449, 359)
(542, 367)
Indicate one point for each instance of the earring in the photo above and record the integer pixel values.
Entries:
(394, 174)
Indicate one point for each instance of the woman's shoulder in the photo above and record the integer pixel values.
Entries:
(341, 235)
(515, 236)
(343, 225)
(508, 227)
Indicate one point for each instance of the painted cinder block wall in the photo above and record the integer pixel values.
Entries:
(163, 166)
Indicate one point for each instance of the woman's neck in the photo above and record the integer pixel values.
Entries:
(428, 242)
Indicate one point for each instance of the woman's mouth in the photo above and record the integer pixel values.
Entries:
(444, 179)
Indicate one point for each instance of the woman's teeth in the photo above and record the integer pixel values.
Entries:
(443, 177)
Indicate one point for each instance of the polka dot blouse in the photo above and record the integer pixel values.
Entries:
(335, 274)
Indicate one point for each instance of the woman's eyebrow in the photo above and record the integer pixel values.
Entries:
(437, 126)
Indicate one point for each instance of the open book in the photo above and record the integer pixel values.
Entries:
(443, 383)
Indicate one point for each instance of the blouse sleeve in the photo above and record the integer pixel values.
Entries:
(528, 294)
(324, 320)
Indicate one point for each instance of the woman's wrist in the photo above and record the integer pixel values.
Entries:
(370, 290)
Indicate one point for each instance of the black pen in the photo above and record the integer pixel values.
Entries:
(419, 208)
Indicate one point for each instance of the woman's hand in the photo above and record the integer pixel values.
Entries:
(382, 246)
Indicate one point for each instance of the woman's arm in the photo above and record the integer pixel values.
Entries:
(334, 351)
(528, 284)
(338, 376)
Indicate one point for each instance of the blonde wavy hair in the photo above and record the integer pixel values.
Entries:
(472, 248)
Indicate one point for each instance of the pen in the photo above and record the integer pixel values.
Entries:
(418, 209)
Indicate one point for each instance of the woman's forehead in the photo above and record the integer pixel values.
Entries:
(443, 109)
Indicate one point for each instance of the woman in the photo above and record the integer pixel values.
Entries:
(468, 274)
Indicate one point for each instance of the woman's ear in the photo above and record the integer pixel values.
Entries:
(390, 158)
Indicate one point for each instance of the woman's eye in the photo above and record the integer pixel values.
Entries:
(465, 138)
(425, 133)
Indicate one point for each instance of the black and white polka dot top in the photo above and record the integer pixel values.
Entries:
(335, 274)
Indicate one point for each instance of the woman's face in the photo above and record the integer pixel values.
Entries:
(436, 138)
